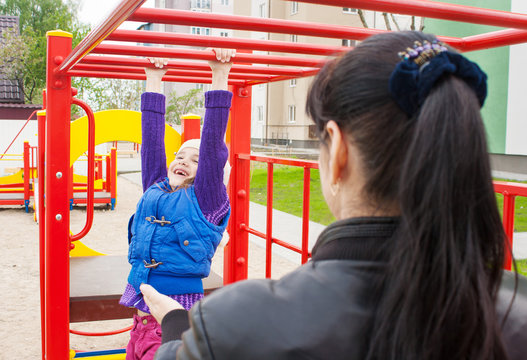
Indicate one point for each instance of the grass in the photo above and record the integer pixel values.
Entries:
(288, 188)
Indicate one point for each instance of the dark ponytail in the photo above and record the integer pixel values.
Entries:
(440, 287)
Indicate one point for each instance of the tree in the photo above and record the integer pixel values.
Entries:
(387, 17)
(191, 101)
(36, 17)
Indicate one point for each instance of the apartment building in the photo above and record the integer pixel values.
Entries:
(278, 109)
(205, 6)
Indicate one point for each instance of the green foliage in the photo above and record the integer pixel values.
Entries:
(106, 94)
(27, 56)
(177, 106)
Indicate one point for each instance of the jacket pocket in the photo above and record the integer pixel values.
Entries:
(190, 241)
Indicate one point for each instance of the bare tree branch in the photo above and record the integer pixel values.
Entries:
(387, 21)
(395, 22)
(412, 25)
(362, 18)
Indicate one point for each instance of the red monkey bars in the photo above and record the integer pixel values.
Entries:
(189, 65)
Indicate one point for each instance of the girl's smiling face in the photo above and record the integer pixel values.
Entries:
(184, 166)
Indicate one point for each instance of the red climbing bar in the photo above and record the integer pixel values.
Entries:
(116, 18)
(154, 37)
(494, 39)
(435, 10)
(249, 23)
(149, 51)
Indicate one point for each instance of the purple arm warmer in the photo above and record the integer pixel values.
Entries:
(153, 158)
(213, 153)
(209, 187)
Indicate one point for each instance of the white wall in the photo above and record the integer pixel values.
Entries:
(8, 131)
(516, 136)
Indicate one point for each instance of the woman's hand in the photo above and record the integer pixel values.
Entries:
(155, 75)
(221, 67)
(159, 304)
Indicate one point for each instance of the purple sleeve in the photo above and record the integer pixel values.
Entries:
(213, 153)
(153, 158)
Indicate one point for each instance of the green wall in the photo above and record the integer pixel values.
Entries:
(495, 62)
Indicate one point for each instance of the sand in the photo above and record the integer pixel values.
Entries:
(19, 270)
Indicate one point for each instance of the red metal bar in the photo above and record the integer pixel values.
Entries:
(192, 65)
(154, 37)
(239, 141)
(274, 240)
(171, 72)
(494, 39)
(101, 31)
(305, 215)
(91, 172)
(118, 75)
(149, 51)
(108, 181)
(113, 176)
(249, 23)
(269, 221)
(435, 10)
(281, 161)
(41, 118)
(57, 217)
(508, 225)
(516, 189)
(27, 175)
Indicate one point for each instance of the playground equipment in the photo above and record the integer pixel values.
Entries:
(18, 188)
(63, 63)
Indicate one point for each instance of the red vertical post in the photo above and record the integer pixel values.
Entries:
(57, 216)
(305, 215)
(41, 118)
(269, 222)
(108, 182)
(113, 176)
(27, 172)
(239, 142)
(190, 127)
(508, 225)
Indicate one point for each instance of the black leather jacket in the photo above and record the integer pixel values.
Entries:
(323, 310)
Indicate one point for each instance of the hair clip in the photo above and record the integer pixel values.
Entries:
(422, 53)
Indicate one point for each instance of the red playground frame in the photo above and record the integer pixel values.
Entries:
(63, 62)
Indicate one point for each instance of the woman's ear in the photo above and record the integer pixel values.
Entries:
(338, 152)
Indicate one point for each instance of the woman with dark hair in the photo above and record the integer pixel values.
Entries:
(412, 267)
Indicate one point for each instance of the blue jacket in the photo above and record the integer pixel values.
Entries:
(172, 243)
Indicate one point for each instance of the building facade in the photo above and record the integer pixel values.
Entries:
(278, 109)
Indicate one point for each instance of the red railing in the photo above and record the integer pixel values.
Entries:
(510, 191)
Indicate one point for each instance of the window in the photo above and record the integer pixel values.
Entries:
(294, 38)
(349, 10)
(200, 4)
(225, 2)
(348, 42)
(294, 7)
(259, 113)
(262, 10)
(200, 30)
(292, 83)
(292, 113)
(224, 34)
(199, 86)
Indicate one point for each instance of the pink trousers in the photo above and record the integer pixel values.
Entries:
(145, 338)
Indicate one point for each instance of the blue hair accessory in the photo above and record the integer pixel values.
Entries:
(423, 65)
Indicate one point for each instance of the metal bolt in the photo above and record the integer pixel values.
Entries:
(58, 217)
(58, 174)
